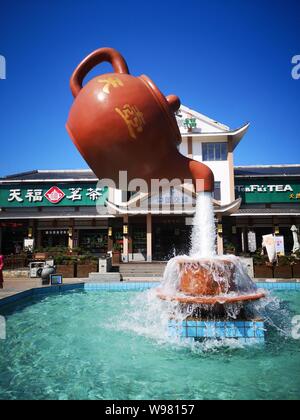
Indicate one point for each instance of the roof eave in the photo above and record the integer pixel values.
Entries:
(236, 135)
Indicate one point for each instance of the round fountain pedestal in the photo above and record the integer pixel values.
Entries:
(206, 291)
(210, 282)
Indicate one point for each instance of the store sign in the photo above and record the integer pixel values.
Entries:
(252, 243)
(45, 195)
(279, 244)
(28, 244)
(268, 192)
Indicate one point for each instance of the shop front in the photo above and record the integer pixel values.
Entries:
(270, 205)
(56, 213)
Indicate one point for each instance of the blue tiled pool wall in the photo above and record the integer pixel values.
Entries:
(119, 287)
(278, 286)
(140, 286)
(243, 331)
(41, 291)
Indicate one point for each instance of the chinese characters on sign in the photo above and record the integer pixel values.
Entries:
(54, 195)
(295, 196)
(190, 123)
(15, 195)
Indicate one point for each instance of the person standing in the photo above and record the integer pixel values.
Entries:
(1, 268)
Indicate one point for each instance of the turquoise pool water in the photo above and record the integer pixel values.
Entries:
(97, 346)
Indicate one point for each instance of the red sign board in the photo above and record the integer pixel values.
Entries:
(54, 195)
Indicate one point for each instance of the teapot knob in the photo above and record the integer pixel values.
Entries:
(174, 102)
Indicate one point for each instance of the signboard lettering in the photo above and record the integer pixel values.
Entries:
(52, 195)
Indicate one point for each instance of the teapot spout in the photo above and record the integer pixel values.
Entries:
(202, 176)
(188, 170)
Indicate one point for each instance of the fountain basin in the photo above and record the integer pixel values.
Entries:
(211, 281)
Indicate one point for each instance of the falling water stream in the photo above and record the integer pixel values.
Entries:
(204, 229)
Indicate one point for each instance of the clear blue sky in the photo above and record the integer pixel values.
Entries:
(229, 59)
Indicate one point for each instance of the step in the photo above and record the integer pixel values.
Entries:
(104, 277)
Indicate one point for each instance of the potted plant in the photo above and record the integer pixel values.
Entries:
(229, 248)
(283, 269)
(86, 264)
(296, 265)
(65, 266)
(116, 253)
(263, 269)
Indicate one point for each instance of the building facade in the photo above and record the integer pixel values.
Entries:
(69, 209)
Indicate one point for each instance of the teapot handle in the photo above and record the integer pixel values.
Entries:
(109, 55)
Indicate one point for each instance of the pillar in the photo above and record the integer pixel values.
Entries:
(70, 240)
(125, 241)
(71, 235)
(220, 245)
(39, 238)
(149, 237)
(244, 240)
(110, 241)
(231, 169)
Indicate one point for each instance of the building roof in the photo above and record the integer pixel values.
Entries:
(216, 126)
(88, 175)
(51, 175)
(286, 211)
(266, 171)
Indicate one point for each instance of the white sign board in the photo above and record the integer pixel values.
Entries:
(252, 245)
(29, 244)
(279, 244)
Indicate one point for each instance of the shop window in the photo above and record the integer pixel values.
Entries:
(55, 238)
(217, 191)
(93, 241)
(139, 240)
(13, 236)
(214, 151)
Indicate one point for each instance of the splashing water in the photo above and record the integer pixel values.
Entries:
(203, 254)
(148, 315)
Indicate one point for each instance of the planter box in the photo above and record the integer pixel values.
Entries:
(283, 272)
(296, 271)
(116, 257)
(83, 270)
(67, 271)
(263, 272)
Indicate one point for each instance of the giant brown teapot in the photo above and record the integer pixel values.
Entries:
(124, 123)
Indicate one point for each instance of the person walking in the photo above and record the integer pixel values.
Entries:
(1, 268)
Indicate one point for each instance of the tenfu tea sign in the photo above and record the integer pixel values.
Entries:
(268, 192)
